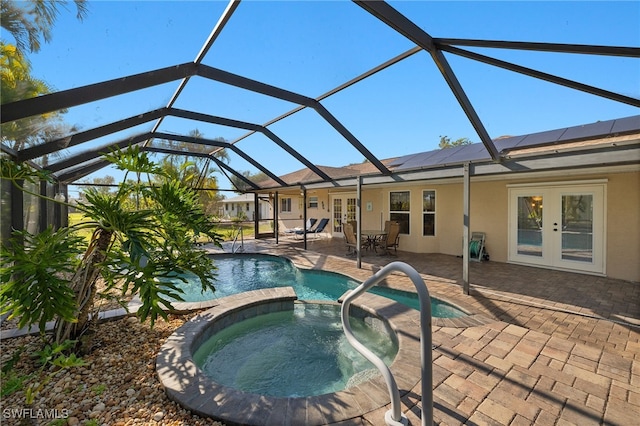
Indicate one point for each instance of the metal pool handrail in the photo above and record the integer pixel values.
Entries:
(394, 417)
(240, 234)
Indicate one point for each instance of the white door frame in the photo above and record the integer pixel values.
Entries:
(549, 254)
(336, 227)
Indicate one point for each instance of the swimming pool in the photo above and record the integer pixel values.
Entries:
(244, 272)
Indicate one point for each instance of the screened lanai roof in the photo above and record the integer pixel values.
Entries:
(305, 88)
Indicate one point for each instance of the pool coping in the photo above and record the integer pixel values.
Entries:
(185, 383)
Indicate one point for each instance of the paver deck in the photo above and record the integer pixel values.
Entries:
(553, 348)
(559, 348)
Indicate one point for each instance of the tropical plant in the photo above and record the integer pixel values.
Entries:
(17, 83)
(34, 276)
(144, 250)
(195, 171)
(253, 177)
(30, 21)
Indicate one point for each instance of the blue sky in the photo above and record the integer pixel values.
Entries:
(311, 47)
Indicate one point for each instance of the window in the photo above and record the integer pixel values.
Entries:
(226, 206)
(313, 202)
(429, 213)
(247, 207)
(285, 205)
(399, 208)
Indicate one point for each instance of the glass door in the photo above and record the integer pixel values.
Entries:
(337, 217)
(579, 232)
(343, 210)
(529, 224)
(560, 227)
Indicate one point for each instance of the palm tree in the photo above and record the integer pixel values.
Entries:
(194, 171)
(30, 21)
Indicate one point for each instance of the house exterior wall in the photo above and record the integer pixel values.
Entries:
(623, 226)
(290, 219)
(489, 211)
(231, 209)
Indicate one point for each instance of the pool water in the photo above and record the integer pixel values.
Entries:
(243, 272)
(303, 352)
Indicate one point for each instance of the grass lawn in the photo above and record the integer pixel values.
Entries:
(226, 229)
(76, 218)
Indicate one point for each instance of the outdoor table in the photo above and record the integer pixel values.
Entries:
(373, 236)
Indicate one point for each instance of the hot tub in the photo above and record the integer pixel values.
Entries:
(188, 384)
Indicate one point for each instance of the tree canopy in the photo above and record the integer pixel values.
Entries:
(446, 142)
(29, 22)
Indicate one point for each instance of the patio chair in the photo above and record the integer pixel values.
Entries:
(351, 239)
(317, 230)
(391, 239)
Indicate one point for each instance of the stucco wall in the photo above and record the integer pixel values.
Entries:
(623, 226)
(489, 214)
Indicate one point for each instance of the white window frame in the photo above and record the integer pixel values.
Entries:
(285, 205)
(402, 212)
(313, 202)
(429, 212)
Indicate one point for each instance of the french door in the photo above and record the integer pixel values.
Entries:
(343, 209)
(558, 226)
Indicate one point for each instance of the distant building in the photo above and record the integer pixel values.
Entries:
(243, 206)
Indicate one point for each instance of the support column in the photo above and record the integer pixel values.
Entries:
(64, 208)
(45, 206)
(57, 208)
(256, 215)
(359, 221)
(465, 227)
(17, 208)
(275, 216)
(304, 216)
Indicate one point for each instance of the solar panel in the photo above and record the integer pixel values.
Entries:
(473, 152)
(588, 130)
(419, 160)
(508, 143)
(477, 151)
(401, 160)
(440, 155)
(626, 124)
(541, 138)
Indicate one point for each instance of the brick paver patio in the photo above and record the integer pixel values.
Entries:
(557, 348)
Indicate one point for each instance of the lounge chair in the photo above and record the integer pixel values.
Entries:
(310, 222)
(317, 230)
(391, 239)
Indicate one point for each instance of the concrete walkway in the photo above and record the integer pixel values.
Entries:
(560, 348)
